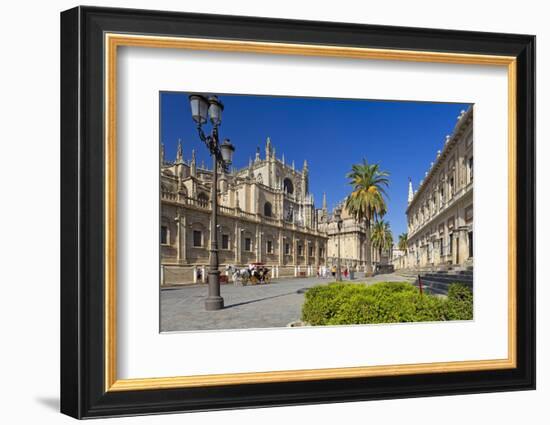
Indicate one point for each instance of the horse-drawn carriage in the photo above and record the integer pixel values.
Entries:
(255, 273)
(259, 273)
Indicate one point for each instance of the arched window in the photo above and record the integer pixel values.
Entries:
(268, 209)
(288, 186)
(203, 199)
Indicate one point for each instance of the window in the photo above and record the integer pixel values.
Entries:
(442, 194)
(288, 186)
(470, 244)
(310, 251)
(203, 199)
(225, 241)
(289, 214)
(300, 250)
(450, 244)
(451, 186)
(247, 244)
(197, 238)
(164, 235)
(469, 213)
(321, 252)
(269, 247)
(268, 210)
(471, 169)
(287, 248)
(441, 246)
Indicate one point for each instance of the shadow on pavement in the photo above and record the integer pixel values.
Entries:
(259, 299)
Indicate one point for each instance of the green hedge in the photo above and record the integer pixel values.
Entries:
(460, 303)
(386, 302)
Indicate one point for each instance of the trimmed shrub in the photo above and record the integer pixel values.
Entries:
(460, 303)
(386, 302)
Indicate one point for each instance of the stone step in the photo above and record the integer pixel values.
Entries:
(450, 272)
(449, 279)
(438, 286)
(435, 290)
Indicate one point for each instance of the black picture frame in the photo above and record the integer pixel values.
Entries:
(82, 219)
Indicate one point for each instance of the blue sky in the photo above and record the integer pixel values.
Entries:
(332, 134)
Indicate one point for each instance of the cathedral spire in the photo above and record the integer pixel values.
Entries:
(162, 159)
(411, 193)
(257, 154)
(268, 148)
(193, 164)
(179, 153)
(325, 201)
(305, 180)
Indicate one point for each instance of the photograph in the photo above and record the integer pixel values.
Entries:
(299, 211)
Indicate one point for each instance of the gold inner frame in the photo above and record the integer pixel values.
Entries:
(113, 41)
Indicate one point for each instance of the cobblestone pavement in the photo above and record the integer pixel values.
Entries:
(255, 306)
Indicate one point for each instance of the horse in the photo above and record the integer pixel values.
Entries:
(238, 275)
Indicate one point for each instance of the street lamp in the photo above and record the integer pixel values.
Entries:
(203, 108)
(339, 221)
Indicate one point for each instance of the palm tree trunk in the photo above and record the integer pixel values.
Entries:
(368, 254)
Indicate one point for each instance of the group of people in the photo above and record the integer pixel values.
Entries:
(346, 272)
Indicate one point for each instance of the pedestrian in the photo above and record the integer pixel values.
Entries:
(333, 271)
(346, 273)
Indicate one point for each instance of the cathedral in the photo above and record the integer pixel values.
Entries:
(266, 214)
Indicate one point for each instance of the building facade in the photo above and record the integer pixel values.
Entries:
(352, 239)
(440, 212)
(266, 214)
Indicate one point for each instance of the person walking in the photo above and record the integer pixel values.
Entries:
(333, 271)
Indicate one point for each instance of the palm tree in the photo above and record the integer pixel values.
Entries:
(366, 201)
(402, 244)
(381, 237)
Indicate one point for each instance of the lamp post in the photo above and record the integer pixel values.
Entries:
(203, 108)
(339, 221)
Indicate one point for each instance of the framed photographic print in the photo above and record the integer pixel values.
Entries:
(261, 212)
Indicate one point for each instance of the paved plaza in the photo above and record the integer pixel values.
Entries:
(254, 306)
